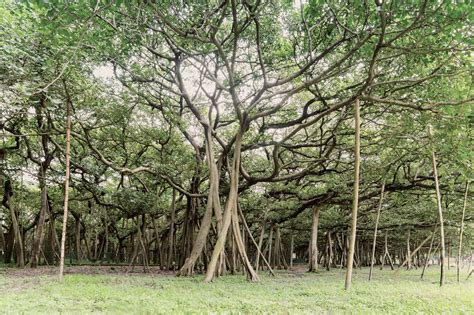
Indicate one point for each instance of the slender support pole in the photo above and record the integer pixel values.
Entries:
(462, 228)
(375, 231)
(66, 189)
(428, 255)
(258, 246)
(355, 201)
(442, 250)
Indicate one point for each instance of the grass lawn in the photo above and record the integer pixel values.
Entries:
(293, 293)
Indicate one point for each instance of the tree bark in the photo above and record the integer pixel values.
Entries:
(213, 203)
(313, 253)
(230, 214)
(17, 238)
(35, 252)
(171, 258)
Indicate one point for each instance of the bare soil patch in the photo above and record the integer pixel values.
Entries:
(84, 270)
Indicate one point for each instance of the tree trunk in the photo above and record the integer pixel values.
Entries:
(329, 250)
(66, 191)
(374, 244)
(355, 201)
(313, 252)
(213, 203)
(259, 246)
(17, 238)
(428, 255)
(461, 228)
(259, 253)
(2, 240)
(408, 258)
(171, 258)
(291, 251)
(247, 265)
(387, 253)
(35, 252)
(230, 212)
(78, 237)
(442, 250)
(277, 252)
(410, 255)
(270, 246)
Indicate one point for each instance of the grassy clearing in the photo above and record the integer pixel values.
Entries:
(287, 293)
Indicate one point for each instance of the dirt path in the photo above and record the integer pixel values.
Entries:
(84, 270)
(298, 270)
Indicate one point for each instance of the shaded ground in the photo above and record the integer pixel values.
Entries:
(101, 289)
(84, 270)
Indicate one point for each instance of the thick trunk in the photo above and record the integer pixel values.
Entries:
(2, 241)
(189, 226)
(233, 252)
(171, 256)
(213, 203)
(230, 214)
(10, 244)
(313, 252)
(355, 201)
(39, 237)
(52, 249)
(231, 203)
(17, 238)
(143, 243)
(188, 267)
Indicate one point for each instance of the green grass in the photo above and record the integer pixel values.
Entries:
(287, 293)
